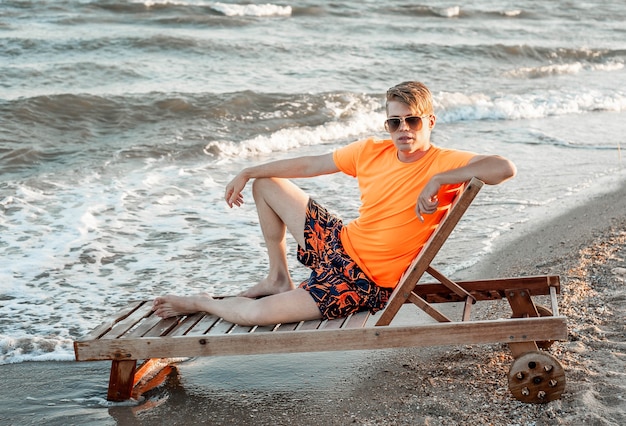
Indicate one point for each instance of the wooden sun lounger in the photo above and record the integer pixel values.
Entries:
(136, 333)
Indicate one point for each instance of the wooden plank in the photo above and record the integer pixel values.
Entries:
(357, 320)
(491, 289)
(121, 379)
(110, 322)
(455, 333)
(240, 329)
(143, 326)
(129, 322)
(521, 303)
(554, 302)
(186, 325)
(220, 327)
(265, 328)
(162, 328)
(467, 308)
(287, 327)
(311, 325)
(454, 287)
(334, 324)
(204, 325)
(424, 306)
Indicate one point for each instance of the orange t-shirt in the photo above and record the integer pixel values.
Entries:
(387, 235)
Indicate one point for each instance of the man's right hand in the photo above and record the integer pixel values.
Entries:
(233, 195)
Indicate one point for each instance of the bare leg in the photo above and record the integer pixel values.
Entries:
(291, 306)
(281, 205)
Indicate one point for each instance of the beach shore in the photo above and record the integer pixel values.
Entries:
(424, 386)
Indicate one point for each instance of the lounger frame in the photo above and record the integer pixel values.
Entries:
(135, 333)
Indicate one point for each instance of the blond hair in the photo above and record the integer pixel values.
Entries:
(413, 94)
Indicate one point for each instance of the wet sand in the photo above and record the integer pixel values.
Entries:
(431, 386)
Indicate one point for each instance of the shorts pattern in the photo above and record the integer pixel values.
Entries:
(337, 283)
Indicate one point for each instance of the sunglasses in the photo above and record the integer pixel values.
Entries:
(414, 122)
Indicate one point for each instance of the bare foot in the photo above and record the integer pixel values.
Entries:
(268, 287)
(172, 306)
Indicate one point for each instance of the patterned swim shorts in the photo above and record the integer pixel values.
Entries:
(337, 283)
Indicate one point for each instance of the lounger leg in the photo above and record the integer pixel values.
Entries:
(523, 307)
(121, 380)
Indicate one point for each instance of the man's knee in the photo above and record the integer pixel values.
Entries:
(262, 186)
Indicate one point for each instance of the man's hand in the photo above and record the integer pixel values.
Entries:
(427, 202)
(233, 195)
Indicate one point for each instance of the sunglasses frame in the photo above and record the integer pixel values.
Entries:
(414, 127)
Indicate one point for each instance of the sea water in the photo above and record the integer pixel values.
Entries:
(122, 121)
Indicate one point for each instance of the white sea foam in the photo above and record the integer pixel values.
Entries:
(453, 107)
(252, 9)
(562, 69)
(227, 9)
(34, 348)
(447, 12)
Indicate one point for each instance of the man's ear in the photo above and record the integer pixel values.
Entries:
(432, 119)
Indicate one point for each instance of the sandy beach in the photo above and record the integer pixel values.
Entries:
(432, 386)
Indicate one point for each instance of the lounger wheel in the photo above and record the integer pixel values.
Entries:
(536, 377)
(544, 312)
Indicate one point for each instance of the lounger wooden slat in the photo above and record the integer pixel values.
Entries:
(204, 325)
(357, 320)
(265, 328)
(129, 322)
(287, 327)
(110, 322)
(136, 333)
(311, 325)
(220, 327)
(335, 324)
(162, 327)
(240, 329)
(183, 327)
(147, 324)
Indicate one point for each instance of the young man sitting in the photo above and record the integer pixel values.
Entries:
(405, 183)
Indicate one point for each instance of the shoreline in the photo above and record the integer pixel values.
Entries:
(450, 385)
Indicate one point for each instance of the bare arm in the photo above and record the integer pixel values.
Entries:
(491, 169)
(299, 167)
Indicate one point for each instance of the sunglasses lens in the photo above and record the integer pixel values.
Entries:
(413, 122)
(393, 124)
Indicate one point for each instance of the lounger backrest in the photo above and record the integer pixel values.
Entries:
(422, 261)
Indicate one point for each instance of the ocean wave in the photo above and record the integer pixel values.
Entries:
(14, 349)
(422, 10)
(188, 125)
(274, 111)
(454, 107)
(252, 9)
(562, 69)
(227, 9)
(446, 12)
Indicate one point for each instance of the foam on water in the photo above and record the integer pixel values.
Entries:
(226, 8)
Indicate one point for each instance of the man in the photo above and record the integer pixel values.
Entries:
(405, 183)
